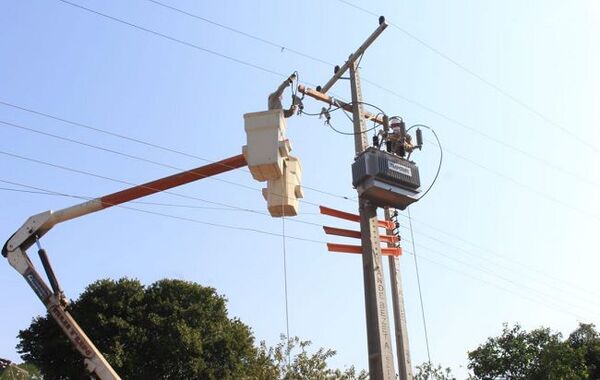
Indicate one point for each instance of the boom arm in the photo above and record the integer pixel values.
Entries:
(15, 250)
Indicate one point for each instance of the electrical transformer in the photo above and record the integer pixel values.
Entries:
(385, 178)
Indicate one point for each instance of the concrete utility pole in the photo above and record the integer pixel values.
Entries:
(381, 361)
(404, 363)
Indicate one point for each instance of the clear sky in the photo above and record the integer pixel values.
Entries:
(506, 235)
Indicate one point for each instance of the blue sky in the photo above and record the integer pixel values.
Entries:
(506, 235)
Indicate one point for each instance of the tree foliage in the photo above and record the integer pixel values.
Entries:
(427, 371)
(23, 371)
(539, 354)
(293, 361)
(170, 330)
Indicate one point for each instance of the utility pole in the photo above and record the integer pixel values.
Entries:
(381, 361)
(402, 350)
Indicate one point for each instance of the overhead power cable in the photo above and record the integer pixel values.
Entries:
(177, 40)
(552, 298)
(399, 95)
(145, 143)
(522, 295)
(529, 267)
(527, 187)
(134, 157)
(463, 125)
(192, 220)
(165, 165)
(414, 248)
(420, 105)
(234, 30)
(87, 173)
(479, 77)
(161, 204)
(511, 267)
(38, 190)
(496, 140)
(485, 135)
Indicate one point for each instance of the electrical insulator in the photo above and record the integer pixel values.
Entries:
(388, 146)
(419, 138)
(386, 123)
(375, 141)
(402, 128)
(401, 151)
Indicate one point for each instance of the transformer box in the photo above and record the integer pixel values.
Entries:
(386, 179)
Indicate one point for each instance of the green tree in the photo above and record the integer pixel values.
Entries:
(23, 371)
(170, 330)
(427, 371)
(294, 362)
(536, 355)
(586, 341)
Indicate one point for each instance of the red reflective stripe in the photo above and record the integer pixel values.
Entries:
(341, 232)
(347, 248)
(389, 239)
(352, 217)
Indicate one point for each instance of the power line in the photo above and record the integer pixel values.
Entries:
(177, 40)
(511, 281)
(161, 204)
(192, 220)
(38, 190)
(472, 129)
(523, 185)
(412, 236)
(494, 86)
(234, 30)
(530, 269)
(518, 294)
(484, 135)
(142, 159)
(87, 173)
(142, 142)
(526, 269)
(134, 157)
(527, 187)
(123, 154)
(496, 254)
(71, 140)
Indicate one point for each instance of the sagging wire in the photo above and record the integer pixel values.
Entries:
(414, 248)
(437, 173)
(326, 113)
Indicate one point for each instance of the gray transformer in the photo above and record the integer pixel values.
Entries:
(385, 179)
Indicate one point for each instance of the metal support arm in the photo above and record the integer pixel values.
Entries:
(353, 57)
